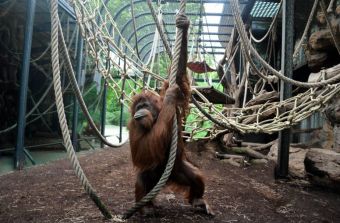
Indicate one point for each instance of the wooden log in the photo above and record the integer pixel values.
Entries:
(252, 144)
(228, 156)
(337, 10)
(267, 113)
(248, 151)
(233, 162)
(301, 131)
(315, 59)
(324, 74)
(321, 40)
(260, 146)
(259, 161)
(214, 96)
(270, 110)
(263, 97)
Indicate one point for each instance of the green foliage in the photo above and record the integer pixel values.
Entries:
(115, 111)
(202, 125)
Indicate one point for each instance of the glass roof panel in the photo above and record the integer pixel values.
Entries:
(264, 9)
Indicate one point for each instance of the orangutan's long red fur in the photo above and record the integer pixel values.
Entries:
(151, 134)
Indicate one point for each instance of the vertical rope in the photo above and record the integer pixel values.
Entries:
(309, 22)
(177, 48)
(134, 27)
(323, 8)
(160, 30)
(61, 112)
(173, 148)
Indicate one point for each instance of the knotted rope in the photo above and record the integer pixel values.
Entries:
(249, 48)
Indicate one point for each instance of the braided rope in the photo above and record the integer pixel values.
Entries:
(248, 47)
(255, 118)
(323, 8)
(330, 6)
(160, 30)
(206, 114)
(270, 27)
(99, 42)
(309, 22)
(61, 112)
(173, 148)
(134, 27)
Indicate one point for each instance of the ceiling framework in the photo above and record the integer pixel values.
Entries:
(208, 29)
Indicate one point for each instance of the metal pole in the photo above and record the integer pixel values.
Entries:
(75, 104)
(103, 116)
(19, 151)
(200, 24)
(286, 89)
(122, 104)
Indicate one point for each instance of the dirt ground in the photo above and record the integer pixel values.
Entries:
(52, 193)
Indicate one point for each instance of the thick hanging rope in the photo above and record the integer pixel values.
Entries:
(61, 112)
(309, 22)
(134, 27)
(160, 30)
(330, 6)
(173, 149)
(323, 8)
(270, 29)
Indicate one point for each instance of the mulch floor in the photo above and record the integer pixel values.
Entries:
(52, 193)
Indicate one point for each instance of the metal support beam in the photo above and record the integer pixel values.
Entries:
(200, 24)
(161, 50)
(68, 8)
(203, 52)
(142, 15)
(75, 104)
(103, 116)
(19, 150)
(122, 103)
(189, 46)
(286, 89)
(124, 7)
(173, 24)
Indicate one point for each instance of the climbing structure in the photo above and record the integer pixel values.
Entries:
(251, 88)
(101, 32)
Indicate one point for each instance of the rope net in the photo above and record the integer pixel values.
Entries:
(106, 45)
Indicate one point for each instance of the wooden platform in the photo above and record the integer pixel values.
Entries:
(214, 96)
